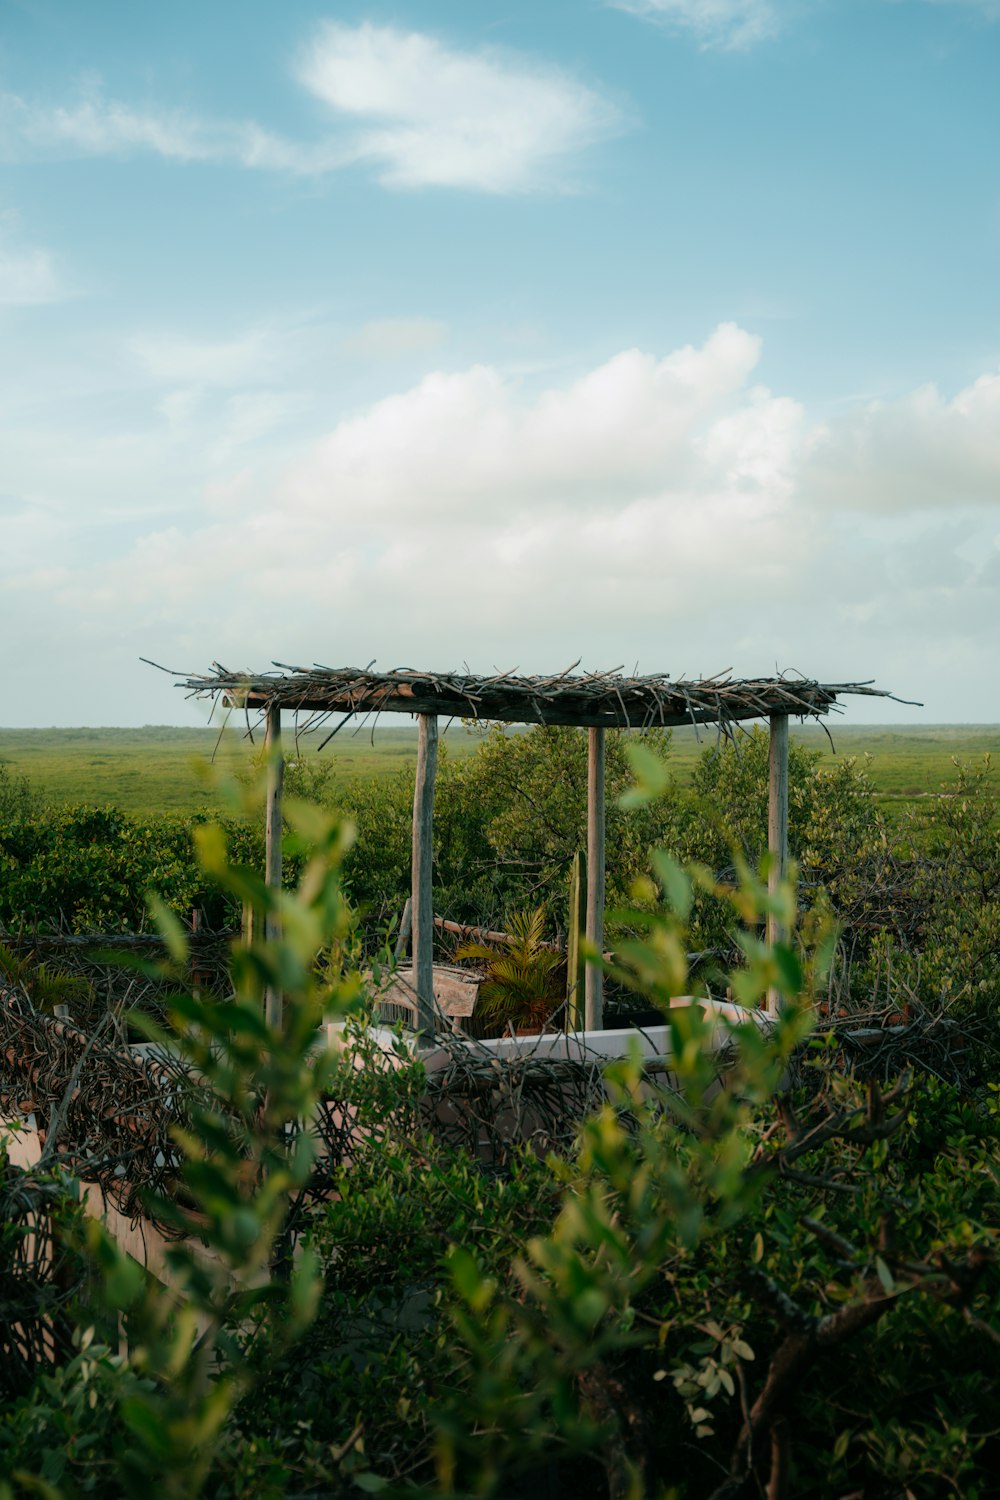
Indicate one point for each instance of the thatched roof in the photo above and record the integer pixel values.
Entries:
(602, 699)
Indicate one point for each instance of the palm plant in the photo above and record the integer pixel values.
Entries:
(525, 979)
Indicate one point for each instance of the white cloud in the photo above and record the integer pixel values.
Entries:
(988, 9)
(731, 24)
(419, 113)
(27, 277)
(666, 506)
(736, 25)
(98, 127)
(390, 338)
(918, 453)
(473, 444)
(105, 127)
(175, 358)
(629, 479)
(116, 432)
(436, 116)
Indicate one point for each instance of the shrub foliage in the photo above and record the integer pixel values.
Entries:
(767, 1276)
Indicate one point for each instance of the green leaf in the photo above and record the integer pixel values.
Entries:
(147, 1426)
(590, 1306)
(470, 1283)
(210, 842)
(306, 1286)
(885, 1276)
(652, 776)
(786, 961)
(675, 882)
(31, 1484)
(169, 927)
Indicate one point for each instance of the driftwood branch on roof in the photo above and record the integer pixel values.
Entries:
(596, 699)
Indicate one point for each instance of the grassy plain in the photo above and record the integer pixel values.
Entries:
(163, 769)
(160, 768)
(906, 761)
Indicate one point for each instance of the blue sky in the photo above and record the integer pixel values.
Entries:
(661, 331)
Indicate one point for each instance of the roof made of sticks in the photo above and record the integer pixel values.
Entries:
(600, 699)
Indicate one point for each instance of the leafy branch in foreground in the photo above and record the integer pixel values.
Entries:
(233, 1292)
(752, 1275)
(686, 1287)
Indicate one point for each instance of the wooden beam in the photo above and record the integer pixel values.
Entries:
(519, 710)
(777, 830)
(422, 876)
(594, 987)
(485, 934)
(272, 843)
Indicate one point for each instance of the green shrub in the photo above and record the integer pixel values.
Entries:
(16, 799)
(722, 1290)
(90, 868)
(114, 1426)
(955, 849)
(800, 1298)
(381, 1354)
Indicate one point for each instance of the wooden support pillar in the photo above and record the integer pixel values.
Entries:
(272, 842)
(576, 981)
(594, 987)
(777, 830)
(422, 878)
(405, 926)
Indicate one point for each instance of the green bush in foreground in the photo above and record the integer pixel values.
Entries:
(107, 1424)
(773, 1281)
(721, 1270)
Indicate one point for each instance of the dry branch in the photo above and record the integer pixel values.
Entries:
(596, 700)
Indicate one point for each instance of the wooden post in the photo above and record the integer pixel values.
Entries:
(197, 916)
(422, 877)
(272, 842)
(405, 925)
(777, 830)
(594, 987)
(575, 977)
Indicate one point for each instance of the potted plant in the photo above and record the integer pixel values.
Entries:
(525, 978)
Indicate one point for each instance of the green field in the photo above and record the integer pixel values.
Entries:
(906, 762)
(164, 769)
(160, 768)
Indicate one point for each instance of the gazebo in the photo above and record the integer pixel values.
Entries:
(597, 701)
